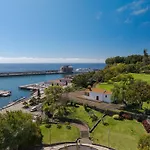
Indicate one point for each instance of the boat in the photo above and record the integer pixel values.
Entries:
(84, 70)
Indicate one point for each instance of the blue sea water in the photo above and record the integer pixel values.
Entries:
(12, 83)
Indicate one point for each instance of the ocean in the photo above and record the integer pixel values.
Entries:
(12, 83)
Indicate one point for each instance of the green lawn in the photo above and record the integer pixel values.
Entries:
(123, 135)
(59, 135)
(105, 86)
(82, 115)
(144, 77)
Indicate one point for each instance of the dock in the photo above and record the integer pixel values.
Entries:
(4, 93)
(42, 85)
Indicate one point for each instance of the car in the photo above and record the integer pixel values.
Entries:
(33, 109)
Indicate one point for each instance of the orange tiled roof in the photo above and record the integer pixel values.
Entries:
(98, 90)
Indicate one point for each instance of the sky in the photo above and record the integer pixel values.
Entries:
(74, 31)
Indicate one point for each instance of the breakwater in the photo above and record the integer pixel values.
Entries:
(28, 73)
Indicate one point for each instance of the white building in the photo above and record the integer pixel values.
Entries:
(66, 69)
(98, 94)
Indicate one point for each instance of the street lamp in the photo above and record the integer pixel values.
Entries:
(108, 136)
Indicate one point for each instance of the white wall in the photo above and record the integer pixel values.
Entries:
(93, 95)
(107, 99)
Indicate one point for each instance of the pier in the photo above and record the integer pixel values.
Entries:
(42, 85)
(28, 73)
(4, 93)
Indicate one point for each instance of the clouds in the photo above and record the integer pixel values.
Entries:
(49, 60)
(140, 11)
(135, 8)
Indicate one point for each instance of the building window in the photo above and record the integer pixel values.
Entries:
(97, 97)
(105, 96)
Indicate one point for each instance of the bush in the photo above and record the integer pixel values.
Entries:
(87, 109)
(48, 125)
(46, 120)
(26, 106)
(126, 116)
(140, 119)
(67, 123)
(59, 126)
(144, 143)
(116, 117)
(94, 117)
(24, 103)
(147, 111)
(146, 125)
(68, 127)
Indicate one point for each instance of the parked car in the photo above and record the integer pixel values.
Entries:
(33, 109)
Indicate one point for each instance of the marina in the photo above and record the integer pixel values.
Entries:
(43, 85)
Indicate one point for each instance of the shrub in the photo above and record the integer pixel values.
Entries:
(26, 106)
(144, 143)
(68, 127)
(86, 108)
(94, 117)
(116, 117)
(140, 119)
(147, 111)
(46, 120)
(126, 116)
(67, 123)
(146, 125)
(24, 103)
(59, 126)
(48, 125)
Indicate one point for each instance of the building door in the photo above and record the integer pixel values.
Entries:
(97, 97)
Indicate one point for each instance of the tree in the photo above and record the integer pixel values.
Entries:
(118, 93)
(38, 93)
(98, 76)
(18, 132)
(144, 143)
(131, 92)
(138, 92)
(55, 104)
(83, 80)
(145, 57)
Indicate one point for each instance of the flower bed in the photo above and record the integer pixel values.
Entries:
(146, 125)
(126, 116)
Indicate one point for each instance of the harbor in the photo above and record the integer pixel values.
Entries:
(12, 83)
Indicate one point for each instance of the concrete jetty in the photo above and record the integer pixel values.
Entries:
(4, 93)
(27, 73)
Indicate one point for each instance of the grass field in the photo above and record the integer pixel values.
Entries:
(144, 77)
(105, 86)
(56, 135)
(121, 135)
(84, 116)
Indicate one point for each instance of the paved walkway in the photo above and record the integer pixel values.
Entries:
(74, 147)
(84, 133)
